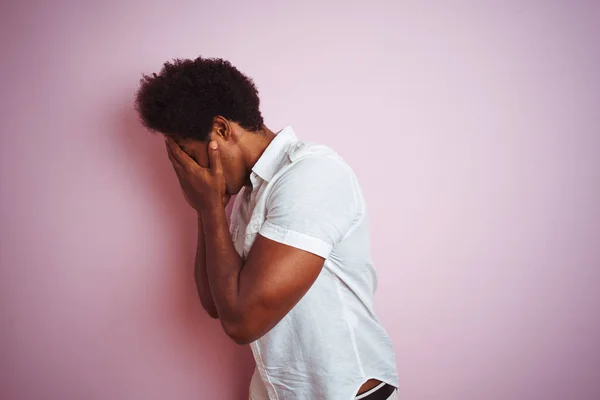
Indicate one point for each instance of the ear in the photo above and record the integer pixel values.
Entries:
(222, 127)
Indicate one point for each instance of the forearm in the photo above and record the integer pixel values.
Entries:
(223, 267)
(201, 276)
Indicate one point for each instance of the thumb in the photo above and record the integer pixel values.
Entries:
(214, 157)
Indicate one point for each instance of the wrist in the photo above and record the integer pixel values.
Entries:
(210, 213)
(214, 220)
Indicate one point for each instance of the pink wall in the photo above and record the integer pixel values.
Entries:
(475, 132)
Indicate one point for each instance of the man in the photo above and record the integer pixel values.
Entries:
(292, 274)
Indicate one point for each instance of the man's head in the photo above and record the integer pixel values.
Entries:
(201, 100)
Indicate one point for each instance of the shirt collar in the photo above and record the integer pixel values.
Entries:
(270, 160)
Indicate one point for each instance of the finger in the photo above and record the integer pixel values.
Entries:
(176, 165)
(215, 158)
(179, 156)
(170, 153)
(178, 168)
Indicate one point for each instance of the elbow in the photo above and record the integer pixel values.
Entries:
(240, 339)
(240, 332)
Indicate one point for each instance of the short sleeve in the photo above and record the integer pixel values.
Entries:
(312, 205)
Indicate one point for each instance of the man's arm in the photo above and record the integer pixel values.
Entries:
(252, 297)
(311, 208)
(201, 277)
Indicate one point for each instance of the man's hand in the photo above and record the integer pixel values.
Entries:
(204, 188)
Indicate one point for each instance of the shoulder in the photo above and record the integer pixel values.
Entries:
(316, 163)
(315, 176)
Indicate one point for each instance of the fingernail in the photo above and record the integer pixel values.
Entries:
(213, 145)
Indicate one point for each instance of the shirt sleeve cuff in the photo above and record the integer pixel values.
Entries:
(295, 239)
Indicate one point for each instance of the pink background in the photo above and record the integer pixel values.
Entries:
(475, 130)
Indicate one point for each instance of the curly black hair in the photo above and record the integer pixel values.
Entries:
(187, 94)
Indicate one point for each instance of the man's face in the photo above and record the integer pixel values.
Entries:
(231, 158)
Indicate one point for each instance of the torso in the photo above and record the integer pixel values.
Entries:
(330, 345)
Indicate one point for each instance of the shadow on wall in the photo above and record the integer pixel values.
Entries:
(189, 336)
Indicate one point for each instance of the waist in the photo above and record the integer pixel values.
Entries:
(382, 391)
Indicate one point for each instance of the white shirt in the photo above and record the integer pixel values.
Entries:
(331, 342)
